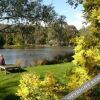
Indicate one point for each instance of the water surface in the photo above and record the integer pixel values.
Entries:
(29, 55)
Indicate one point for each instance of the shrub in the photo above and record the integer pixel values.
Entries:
(39, 62)
(87, 55)
(32, 88)
(78, 77)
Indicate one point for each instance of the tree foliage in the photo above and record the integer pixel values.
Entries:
(87, 50)
(2, 41)
(33, 22)
(17, 10)
(56, 33)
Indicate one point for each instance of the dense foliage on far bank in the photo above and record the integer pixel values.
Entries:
(33, 23)
(57, 33)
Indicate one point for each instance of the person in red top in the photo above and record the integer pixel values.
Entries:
(2, 61)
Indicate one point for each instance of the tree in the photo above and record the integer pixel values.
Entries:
(48, 14)
(56, 30)
(9, 39)
(60, 33)
(16, 10)
(27, 18)
(72, 33)
(25, 11)
(2, 41)
(89, 49)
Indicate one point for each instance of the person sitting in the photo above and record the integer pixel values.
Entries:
(2, 61)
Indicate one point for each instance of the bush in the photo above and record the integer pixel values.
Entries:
(32, 88)
(39, 62)
(87, 55)
(62, 58)
(79, 75)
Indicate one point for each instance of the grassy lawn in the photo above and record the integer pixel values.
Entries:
(9, 83)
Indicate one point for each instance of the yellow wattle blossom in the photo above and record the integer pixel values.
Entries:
(87, 55)
(31, 87)
(49, 79)
(95, 14)
(78, 77)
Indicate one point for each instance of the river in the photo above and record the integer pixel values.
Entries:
(29, 55)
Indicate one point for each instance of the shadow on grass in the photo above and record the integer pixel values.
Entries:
(9, 84)
(11, 97)
(7, 91)
(17, 70)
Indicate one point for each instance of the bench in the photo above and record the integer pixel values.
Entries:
(9, 67)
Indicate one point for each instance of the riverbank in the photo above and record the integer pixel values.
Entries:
(18, 46)
(9, 83)
(30, 46)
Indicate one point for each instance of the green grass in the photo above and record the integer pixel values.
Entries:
(9, 83)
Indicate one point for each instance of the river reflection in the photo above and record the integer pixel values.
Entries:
(29, 55)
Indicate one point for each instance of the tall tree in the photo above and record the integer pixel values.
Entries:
(88, 47)
(19, 10)
(87, 50)
(23, 14)
(48, 14)
(60, 33)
